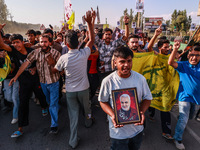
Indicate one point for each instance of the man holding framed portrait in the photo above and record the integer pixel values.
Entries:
(127, 133)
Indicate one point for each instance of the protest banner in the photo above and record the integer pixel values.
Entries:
(162, 79)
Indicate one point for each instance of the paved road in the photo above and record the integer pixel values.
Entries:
(36, 135)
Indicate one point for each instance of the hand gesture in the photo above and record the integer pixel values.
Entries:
(114, 122)
(142, 119)
(176, 45)
(50, 60)
(158, 31)
(88, 17)
(12, 80)
(93, 15)
(1, 26)
(126, 19)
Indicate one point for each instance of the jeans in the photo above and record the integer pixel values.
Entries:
(133, 143)
(186, 111)
(11, 94)
(73, 101)
(51, 91)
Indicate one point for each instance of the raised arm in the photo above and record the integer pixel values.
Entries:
(20, 71)
(171, 60)
(158, 31)
(2, 44)
(126, 21)
(89, 18)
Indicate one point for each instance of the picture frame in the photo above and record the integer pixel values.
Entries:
(126, 107)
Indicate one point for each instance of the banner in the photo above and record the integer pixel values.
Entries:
(68, 9)
(6, 68)
(152, 23)
(139, 5)
(162, 79)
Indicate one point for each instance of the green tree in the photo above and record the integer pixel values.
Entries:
(131, 18)
(3, 11)
(180, 21)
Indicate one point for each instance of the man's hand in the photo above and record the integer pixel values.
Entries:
(126, 19)
(32, 71)
(88, 17)
(50, 60)
(176, 45)
(93, 15)
(12, 80)
(27, 45)
(142, 119)
(1, 26)
(158, 31)
(114, 122)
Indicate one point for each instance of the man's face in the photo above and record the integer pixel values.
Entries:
(194, 57)
(44, 43)
(123, 66)
(6, 40)
(133, 44)
(31, 38)
(83, 33)
(164, 49)
(107, 36)
(96, 31)
(125, 103)
(18, 44)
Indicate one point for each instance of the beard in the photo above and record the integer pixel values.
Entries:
(135, 48)
(45, 49)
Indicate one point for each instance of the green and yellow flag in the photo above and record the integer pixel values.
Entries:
(162, 79)
(71, 20)
(6, 68)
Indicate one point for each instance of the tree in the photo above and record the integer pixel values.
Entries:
(3, 11)
(180, 21)
(130, 18)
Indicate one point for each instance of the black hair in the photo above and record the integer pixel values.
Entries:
(72, 39)
(133, 36)
(196, 48)
(123, 52)
(83, 30)
(107, 30)
(47, 36)
(60, 34)
(162, 38)
(16, 37)
(38, 32)
(161, 42)
(47, 30)
(100, 35)
(31, 31)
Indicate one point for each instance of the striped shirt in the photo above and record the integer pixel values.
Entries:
(43, 69)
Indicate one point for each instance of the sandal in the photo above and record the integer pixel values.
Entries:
(44, 112)
(167, 136)
(16, 134)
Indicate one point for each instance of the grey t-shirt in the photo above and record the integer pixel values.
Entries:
(114, 82)
(74, 64)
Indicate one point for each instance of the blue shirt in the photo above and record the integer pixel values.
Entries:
(189, 87)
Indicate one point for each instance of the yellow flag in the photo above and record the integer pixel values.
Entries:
(162, 79)
(6, 68)
(71, 21)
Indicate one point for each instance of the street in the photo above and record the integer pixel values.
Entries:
(36, 135)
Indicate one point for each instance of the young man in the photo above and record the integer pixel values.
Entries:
(28, 81)
(133, 43)
(106, 48)
(124, 137)
(48, 80)
(188, 93)
(74, 64)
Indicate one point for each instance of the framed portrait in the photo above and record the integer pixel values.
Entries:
(126, 107)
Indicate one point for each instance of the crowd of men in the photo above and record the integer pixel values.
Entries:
(84, 60)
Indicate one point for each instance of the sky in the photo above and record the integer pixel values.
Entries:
(52, 11)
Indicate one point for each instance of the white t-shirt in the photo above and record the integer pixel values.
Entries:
(74, 64)
(114, 82)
